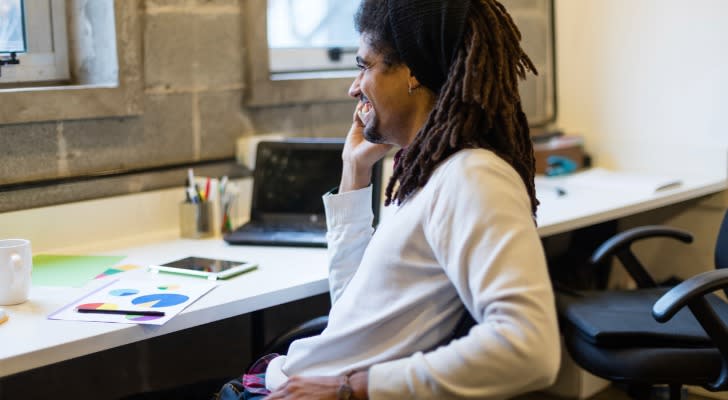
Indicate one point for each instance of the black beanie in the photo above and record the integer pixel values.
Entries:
(427, 34)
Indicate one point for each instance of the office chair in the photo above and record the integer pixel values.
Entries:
(645, 337)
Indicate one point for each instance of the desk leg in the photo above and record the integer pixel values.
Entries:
(257, 334)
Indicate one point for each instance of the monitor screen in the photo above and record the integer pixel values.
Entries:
(290, 178)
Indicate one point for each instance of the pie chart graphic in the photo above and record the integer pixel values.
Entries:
(123, 292)
(98, 306)
(140, 318)
(160, 300)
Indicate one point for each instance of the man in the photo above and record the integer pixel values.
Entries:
(438, 79)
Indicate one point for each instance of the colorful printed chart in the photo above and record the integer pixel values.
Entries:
(123, 292)
(141, 318)
(118, 298)
(116, 270)
(160, 300)
(99, 306)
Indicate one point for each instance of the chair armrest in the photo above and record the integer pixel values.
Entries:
(681, 295)
(692, 293)
(309, 328)
(620, 244)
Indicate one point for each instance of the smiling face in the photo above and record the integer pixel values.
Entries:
(387, 110)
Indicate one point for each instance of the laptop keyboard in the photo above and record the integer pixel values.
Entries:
(278, 235)
(253, 227)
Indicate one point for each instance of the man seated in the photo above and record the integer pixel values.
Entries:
(439, 80)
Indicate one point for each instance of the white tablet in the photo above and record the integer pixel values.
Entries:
(209, 268)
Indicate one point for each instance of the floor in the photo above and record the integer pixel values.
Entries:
(611, 393)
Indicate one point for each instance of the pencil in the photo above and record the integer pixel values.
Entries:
(127, 312)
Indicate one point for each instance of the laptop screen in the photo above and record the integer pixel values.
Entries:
(291, 176)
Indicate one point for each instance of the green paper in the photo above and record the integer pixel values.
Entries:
(69, 270)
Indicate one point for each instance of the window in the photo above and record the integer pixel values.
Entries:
(311, 36)
(267, 84)
(12, 28)
(535, 20)
(303, 40)
(42, 51)
(105, 79)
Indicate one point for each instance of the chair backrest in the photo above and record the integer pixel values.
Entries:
(721, 244)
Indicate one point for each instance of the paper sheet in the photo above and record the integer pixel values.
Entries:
(168, 295)
(613, 181)
(69, 270)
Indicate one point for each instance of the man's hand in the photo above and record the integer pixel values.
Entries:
(320, 387)
(359, 156)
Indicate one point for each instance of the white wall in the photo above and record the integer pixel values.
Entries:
(646, 81)
(109, 223)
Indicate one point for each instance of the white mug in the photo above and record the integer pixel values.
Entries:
(16, 262)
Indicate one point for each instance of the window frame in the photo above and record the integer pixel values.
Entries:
(88, 101)
(266, 89)
(311, 60)
(36, 65)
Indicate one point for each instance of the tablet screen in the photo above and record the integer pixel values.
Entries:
(204, 264)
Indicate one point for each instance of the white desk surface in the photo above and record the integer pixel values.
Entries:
(583, 206)
(29, 340)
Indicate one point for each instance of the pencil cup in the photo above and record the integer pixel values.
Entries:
(195, 220)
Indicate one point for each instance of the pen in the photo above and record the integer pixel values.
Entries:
(191, 177)
(560, 191)
(192, 195)
(223, 184)
(207, 188)
(127, 312)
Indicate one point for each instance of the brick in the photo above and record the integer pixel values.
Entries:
(222, 121)
(168, 136)
(169, 51)
(30, 152)
(288, 120)
(218, 53)
(102, 144)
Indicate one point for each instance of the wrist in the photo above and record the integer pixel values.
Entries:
(359, 384)
(353, 386)
(354, 177)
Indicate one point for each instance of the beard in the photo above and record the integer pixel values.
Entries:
(371, 132)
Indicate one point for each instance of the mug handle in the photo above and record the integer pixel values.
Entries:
(17, 266)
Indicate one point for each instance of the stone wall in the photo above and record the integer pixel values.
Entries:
(194, 84)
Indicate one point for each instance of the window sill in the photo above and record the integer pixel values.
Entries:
(35, 104)
(294, 76)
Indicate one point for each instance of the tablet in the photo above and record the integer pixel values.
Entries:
(209, 268)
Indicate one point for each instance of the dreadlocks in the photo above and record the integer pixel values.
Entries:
(478, 107)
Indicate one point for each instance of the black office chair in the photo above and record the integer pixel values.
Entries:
(645, 337)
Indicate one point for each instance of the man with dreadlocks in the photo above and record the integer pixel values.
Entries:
(439, 79)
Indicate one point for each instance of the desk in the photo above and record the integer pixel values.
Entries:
(581, 206)
(285, 274)
(29, 340)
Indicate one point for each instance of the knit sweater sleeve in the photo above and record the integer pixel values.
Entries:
(349, 220)
(493, 256)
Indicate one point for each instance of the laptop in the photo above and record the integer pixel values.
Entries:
(288, 181)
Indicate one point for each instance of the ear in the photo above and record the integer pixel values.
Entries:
(412, 82)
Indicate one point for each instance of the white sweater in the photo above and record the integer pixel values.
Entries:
(467, 237)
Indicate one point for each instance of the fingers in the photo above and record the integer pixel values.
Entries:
(357, 111)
